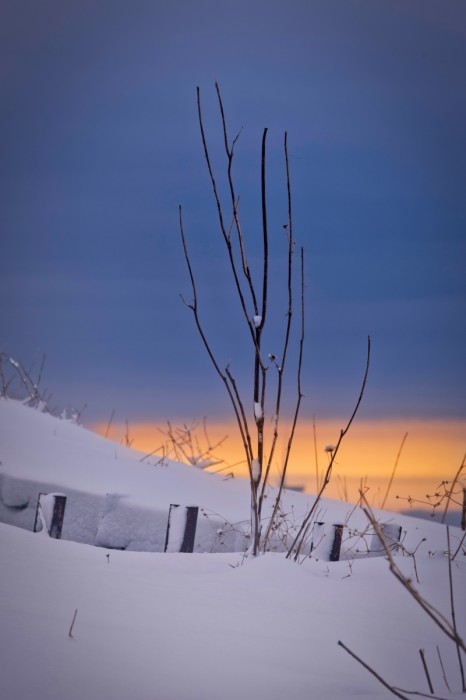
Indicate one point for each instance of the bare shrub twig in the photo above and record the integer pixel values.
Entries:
(299, 539)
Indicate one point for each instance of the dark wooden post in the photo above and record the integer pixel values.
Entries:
(50, 513)
(181, 528)
(326, 541)
(336, 544)
(57, 517)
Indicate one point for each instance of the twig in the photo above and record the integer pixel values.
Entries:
(315, 451)
(419, 694)
(194, 308)
(221, 222)
(286, 341)
(150, 454)
(298, 538)
(463, 511)
(374, 673)
(107, 430)
(455, 480)
(70, 633)
(426, 670)
(394, 470)
(459, 547)
(296, 413)
(443, 669)
(128, 440)
(439, 619)
(235, 200)
(453, 614)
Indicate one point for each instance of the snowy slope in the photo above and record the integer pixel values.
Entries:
(114, 499)
(186, 626)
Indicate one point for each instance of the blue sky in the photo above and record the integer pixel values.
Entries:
(100, 144)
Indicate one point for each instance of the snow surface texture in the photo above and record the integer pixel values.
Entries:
(182, 627)
(154, 626)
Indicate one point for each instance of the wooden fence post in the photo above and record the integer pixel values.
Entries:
(181, 528)
(326, 541)
(50, 513)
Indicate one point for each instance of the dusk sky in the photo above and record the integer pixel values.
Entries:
(100, 144)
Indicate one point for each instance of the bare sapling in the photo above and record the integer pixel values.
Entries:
(252, 290)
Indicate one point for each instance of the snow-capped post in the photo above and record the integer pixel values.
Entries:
(326, 541)
(181, 528)
(50, 513)
(253, 295)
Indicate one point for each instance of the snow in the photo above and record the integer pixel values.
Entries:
(258, 415)
(113, 499)
(257, 321)
(176, 626)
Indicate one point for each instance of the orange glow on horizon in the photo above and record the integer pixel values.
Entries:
(432, 453)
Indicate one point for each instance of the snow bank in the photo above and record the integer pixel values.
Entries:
(182, 627)
(116, 501)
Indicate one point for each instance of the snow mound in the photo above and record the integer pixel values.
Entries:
(117, 501)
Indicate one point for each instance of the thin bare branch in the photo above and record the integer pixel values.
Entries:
(206, 344)
(265, 234)
(455, 481)
(443, 669)
(246, 433)
(422, 654)
(395, 467)
(440, 620)
(297, 408)
(453, 614)
(225, 235)
(374, 673)
(315, 452)
(281, 366)
(70, 633)
(458, 548)
(235, 200)
(328, 473)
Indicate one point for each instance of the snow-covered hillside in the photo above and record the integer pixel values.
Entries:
(189, 626)
(115, 500)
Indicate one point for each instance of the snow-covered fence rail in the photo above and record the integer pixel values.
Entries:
(181, 528)
(50, 513)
